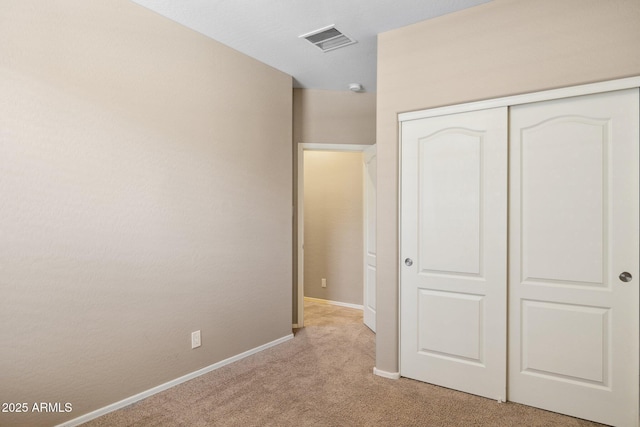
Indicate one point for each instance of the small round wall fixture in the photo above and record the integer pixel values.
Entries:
(356, 87)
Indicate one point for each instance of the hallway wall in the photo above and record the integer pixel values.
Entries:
(333, 226)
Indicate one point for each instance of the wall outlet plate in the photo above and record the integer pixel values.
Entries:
(195, 339)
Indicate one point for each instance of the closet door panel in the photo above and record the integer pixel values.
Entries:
(573, 341)
(453, 266)
(563, 199)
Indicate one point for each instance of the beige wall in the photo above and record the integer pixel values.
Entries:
(497, 49)
(334, 117)
(145, 193)
(328, 117)
(333, 226)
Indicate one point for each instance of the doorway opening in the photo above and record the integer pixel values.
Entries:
(339, 201)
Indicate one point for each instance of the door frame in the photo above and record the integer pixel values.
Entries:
(302, 147)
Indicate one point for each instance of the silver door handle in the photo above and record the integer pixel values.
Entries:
(625, 277)
(408, 262)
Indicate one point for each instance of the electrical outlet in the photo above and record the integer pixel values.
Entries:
(195, 339)
(324, 283)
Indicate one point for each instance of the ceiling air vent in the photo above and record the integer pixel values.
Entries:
(328, 38)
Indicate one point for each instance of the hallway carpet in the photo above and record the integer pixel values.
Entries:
(322, 377)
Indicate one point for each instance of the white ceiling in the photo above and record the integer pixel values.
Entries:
(268, 30)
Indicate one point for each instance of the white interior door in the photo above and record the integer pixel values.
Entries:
(369, 188)
(453, 251)
(573, 340)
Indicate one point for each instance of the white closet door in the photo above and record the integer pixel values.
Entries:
(453, 251)
(573, 322)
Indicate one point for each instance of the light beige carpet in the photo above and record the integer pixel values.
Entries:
(323, 377)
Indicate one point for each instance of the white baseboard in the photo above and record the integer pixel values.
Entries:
(135, 398)
(341, 304)
(385, 374)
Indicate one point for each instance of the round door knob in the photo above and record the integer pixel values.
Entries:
(408, 262)
(625, 277)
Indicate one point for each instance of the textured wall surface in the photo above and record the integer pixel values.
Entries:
(145, 193)
(334, 117)
(501, 48)
(333, 226)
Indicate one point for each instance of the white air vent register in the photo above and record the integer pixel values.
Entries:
(328, 38)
